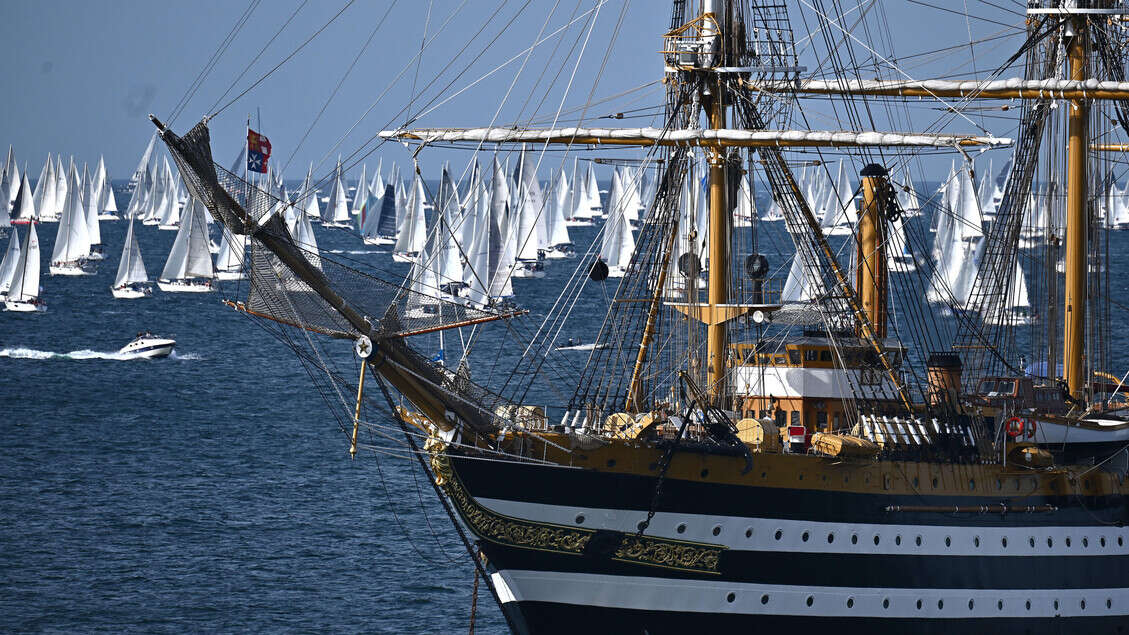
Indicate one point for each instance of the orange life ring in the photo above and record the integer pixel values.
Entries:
(1014, 427)
(1029, 426)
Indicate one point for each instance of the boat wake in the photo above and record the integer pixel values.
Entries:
(356, 252)
(31, 353)
(580, 347)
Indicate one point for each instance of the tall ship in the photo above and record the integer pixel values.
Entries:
(909, 424)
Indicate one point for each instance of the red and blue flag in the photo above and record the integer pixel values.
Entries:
(258, 152)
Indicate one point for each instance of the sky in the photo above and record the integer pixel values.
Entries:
(82, 75)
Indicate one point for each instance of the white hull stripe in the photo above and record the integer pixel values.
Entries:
(771, 534)
(709, 596)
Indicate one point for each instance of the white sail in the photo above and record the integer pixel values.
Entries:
(24, 206)
(189, 257)
(360, 194)
(131, 268)
(746, 207)
(62, 174)
(337, 209)
(233, 248)
(618, 243)
(503, 253)
(93, 198)
(476, 272)
(559, 199)
(72, 240)
(801, 286)
(135, 179)
(413, 233)
(44, 195)
(25, 280)
(10, 262)
(305, 239)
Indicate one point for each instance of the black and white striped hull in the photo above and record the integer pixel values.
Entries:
(793, 558)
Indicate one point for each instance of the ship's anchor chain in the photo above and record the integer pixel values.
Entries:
(664, 465)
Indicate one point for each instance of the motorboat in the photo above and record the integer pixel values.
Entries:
(148, 346)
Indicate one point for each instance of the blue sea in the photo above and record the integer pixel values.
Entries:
(213, 491)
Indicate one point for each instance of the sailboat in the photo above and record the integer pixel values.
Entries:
(189, 265)
(71, 253)
(91, 207)
(711, 467)
(380, 218)
(131, 281)
(412, 233)
(229, 258)
(336, 213)
(23, 294)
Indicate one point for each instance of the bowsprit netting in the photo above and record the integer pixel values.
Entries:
(297, 286)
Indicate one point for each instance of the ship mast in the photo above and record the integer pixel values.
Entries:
(1077, 218)
(713, 96)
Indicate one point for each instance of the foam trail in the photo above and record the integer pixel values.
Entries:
(31, 353)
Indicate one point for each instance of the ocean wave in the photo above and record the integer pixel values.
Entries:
(31, 353)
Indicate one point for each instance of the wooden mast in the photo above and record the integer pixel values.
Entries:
(1077, 218)
(872, 274)
(717, 344)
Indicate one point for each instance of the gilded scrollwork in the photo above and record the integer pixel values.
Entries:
(669, 554)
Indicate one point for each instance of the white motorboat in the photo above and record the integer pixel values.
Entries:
(148, 346)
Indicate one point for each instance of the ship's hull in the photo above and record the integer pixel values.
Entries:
(750, 553)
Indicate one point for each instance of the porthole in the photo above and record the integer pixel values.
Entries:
(1101, 541)
(1017, 485)
(934, 483)
(919, 605)
(1120, 541)
(611, 462)
(1003, 541)
(764, 599)
(971, 483)
(1085, 542)
(749, 532)
(1068, 541)
(854, 539)
(705, 473)
(976, 541)
(804, 536)
(940, 604)
(779, 534)
(731, 597)
(948, 541)
(1056, 605)
(681, 528)
(1082, 605)
(850, 603)
(1000, 605)
(1109, 603)
(876, 540)
(830, 538)
(898, 540)
(918, 541)
(1028, 605)
(1031, 541)
(811, 600)
(717, 530)
(971, 604)
(801, 476)
(1050, 541)
(885, 603)
(580, 519)
(764, 474)
(999, 484)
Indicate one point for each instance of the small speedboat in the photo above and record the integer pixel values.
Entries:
(148, 345)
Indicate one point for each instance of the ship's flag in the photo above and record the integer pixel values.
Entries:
(258, 152)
